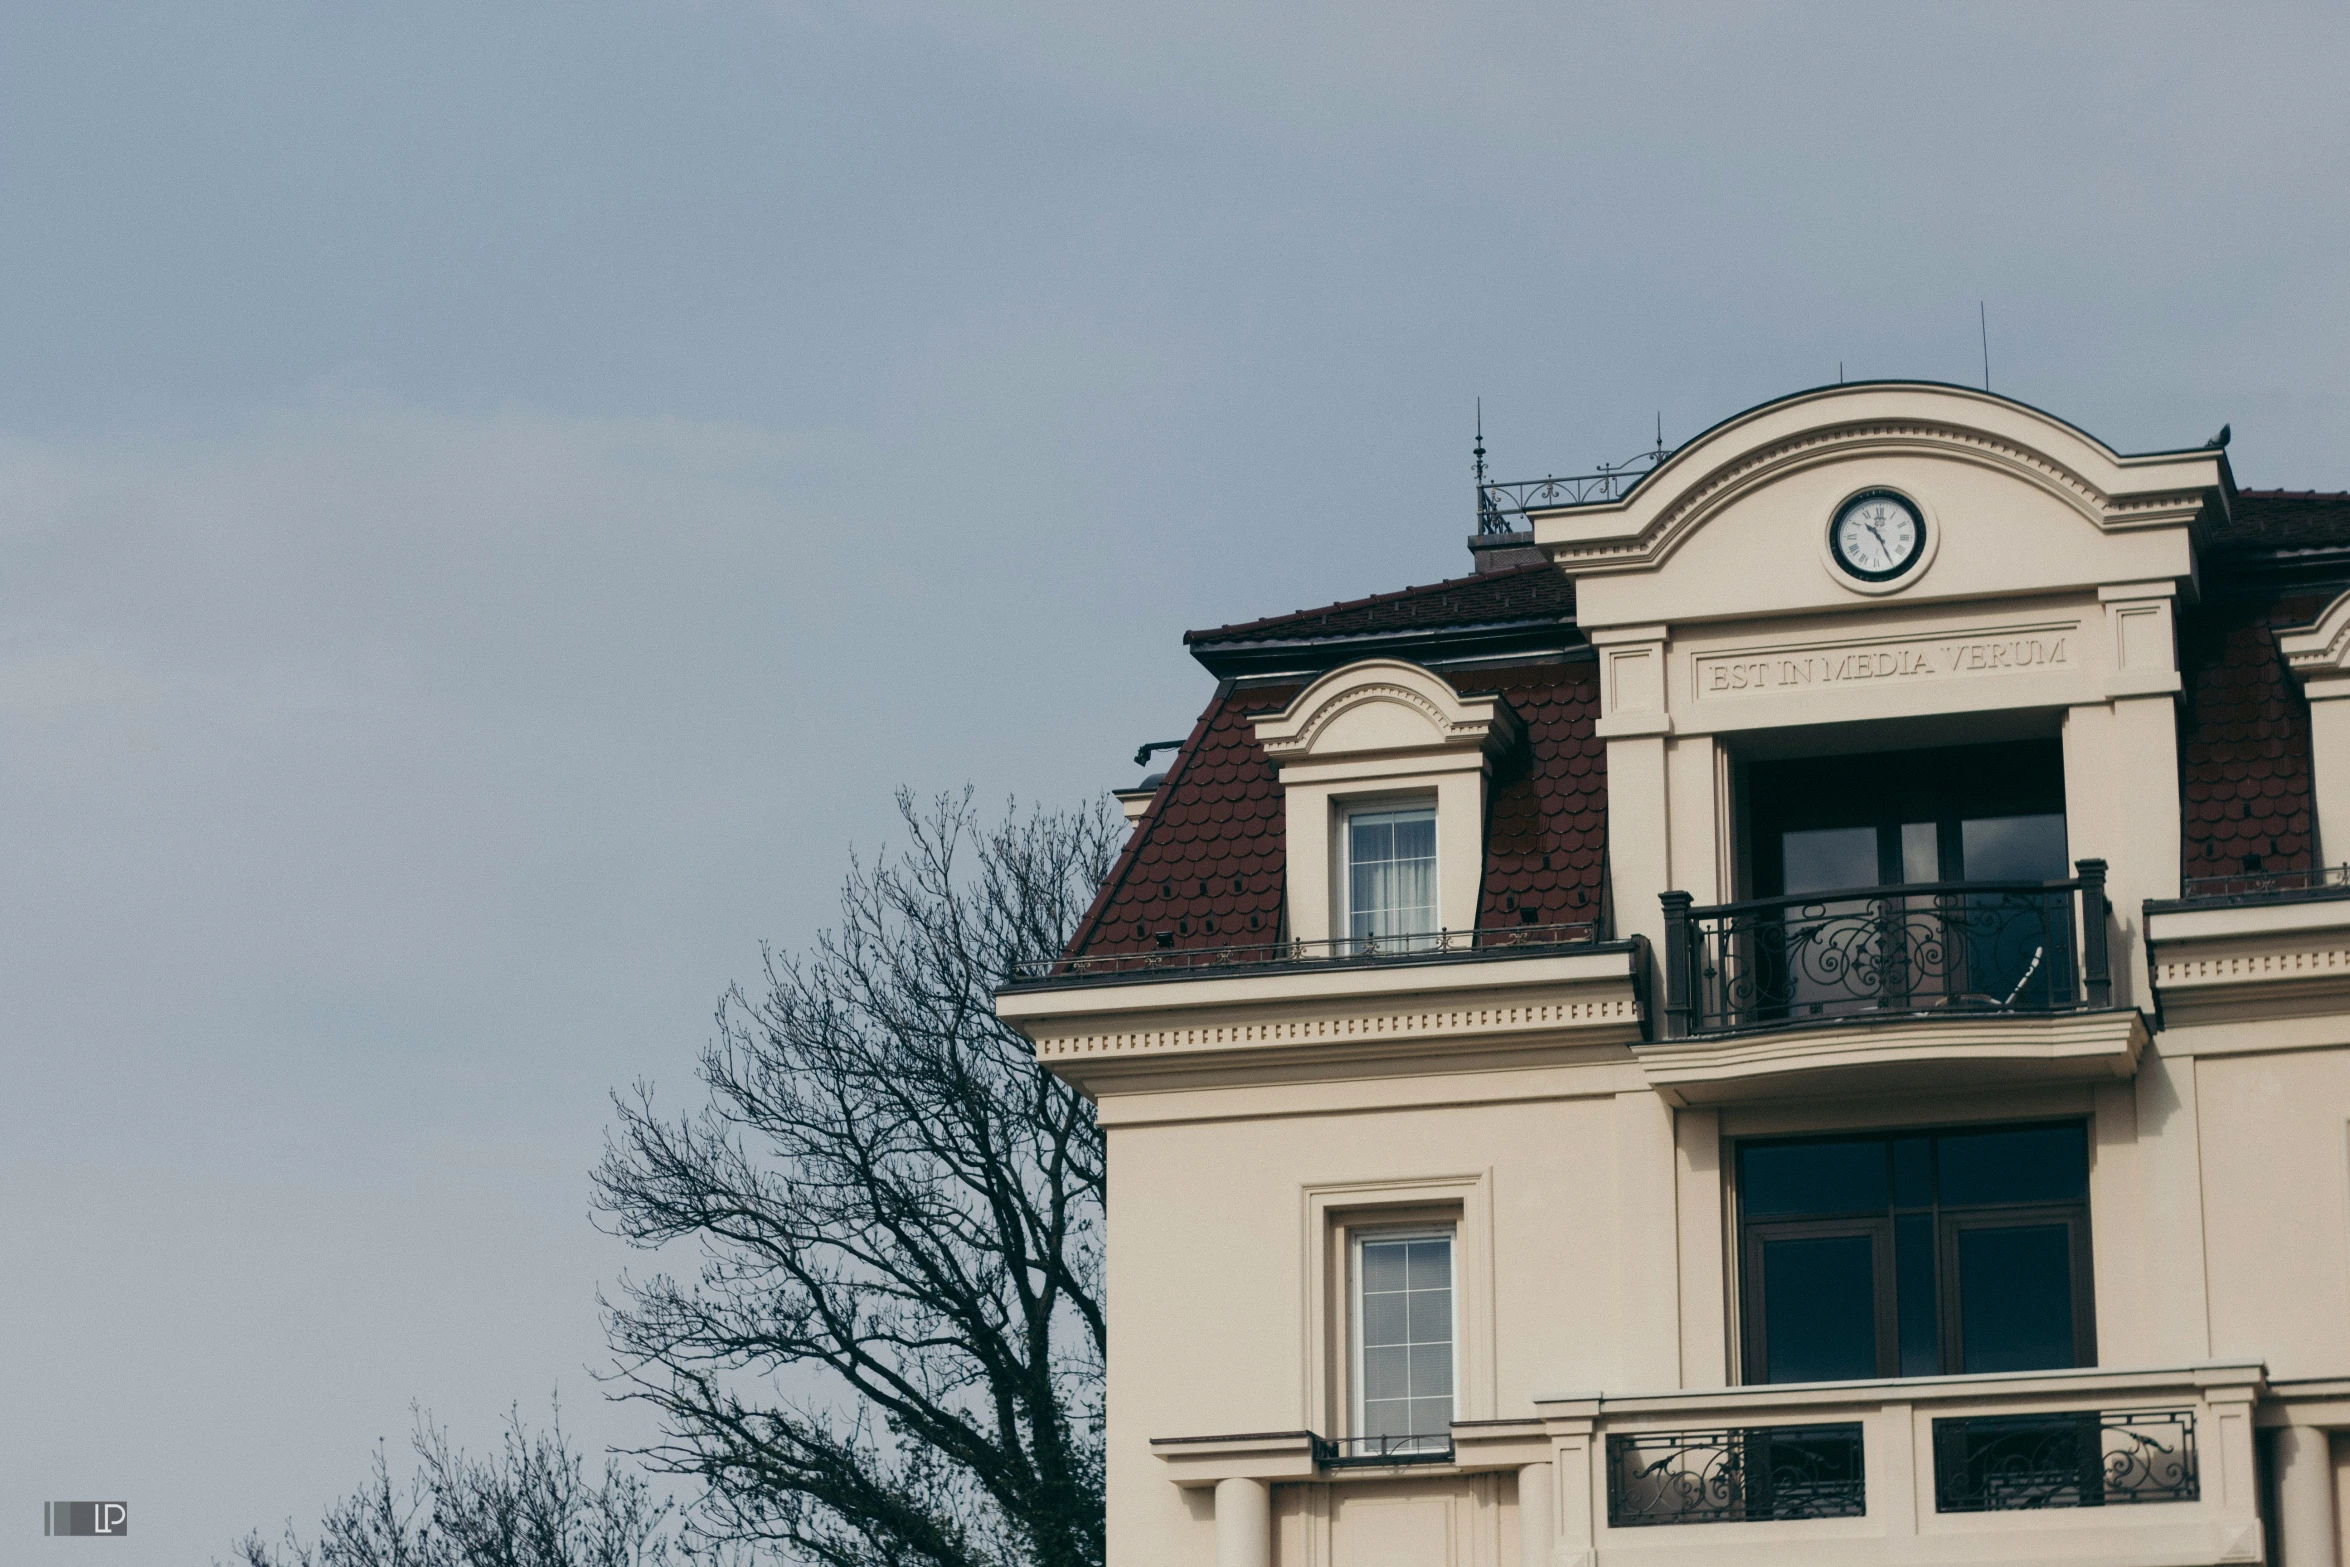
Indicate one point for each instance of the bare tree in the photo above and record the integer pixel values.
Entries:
(892, 1350)
(532, 1504)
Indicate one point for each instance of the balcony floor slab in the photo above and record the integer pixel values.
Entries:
(1897, 1054)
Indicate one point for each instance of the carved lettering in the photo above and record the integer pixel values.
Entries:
(2022, 651)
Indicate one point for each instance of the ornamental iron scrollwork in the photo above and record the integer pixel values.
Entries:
(1756, 1474)
(1502, 505)
(1995, 1463)
(1926, 947)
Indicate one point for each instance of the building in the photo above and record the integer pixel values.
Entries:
(1798, 1016)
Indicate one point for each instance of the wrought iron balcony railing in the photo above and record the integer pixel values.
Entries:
(1433, 945)
(1343, 1452)
(1757, 1474)
(2090, 1459)
(2262, 886)
(2009, 946)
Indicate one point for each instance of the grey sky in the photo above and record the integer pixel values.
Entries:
(493, 498)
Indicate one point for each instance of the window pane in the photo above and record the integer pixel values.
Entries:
(1431, 1264)
(1432, 1371)
(1820, 1309)
(1431, 1416)
(1784, 1179)
(2028, 1164)
(2015, 1298)
(1921, 857)
(1383, 1319)
(1913, 1272)
(1406, 1327)
(1391, 873)
(1825, 859)
(2013, 848)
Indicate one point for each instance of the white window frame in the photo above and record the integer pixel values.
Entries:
(1357, 1418)
(1342, 922)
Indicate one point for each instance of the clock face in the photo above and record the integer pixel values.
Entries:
(1877, 535)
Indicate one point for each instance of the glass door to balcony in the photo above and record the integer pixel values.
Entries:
(1916, 1254)
(1907, 852)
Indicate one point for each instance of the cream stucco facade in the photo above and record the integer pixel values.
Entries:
(1545, 1108)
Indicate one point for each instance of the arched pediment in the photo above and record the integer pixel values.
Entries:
(1383, 706)
(2320, 652)
(1883, 422)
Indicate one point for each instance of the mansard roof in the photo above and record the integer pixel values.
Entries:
(1206, 865)
(1518, 609)
(2284, 520)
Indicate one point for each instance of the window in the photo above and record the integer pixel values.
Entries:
(1980, 814)
(1391, 876)
(1879, 819)
(1403, 1332)
(1916, 1254)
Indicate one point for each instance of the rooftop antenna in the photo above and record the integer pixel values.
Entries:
(1983, 320)
(1839, 372)
(1480, 444)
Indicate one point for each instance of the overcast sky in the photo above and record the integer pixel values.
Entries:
(493, 498)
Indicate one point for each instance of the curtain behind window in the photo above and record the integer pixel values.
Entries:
(1391, 880)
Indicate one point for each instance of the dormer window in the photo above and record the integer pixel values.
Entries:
(1383, 776)
(1391, 877)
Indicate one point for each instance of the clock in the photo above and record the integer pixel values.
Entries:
(1877, 535)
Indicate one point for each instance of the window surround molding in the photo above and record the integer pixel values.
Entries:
(1334, 1214)
(2319, 656)
(1375, 732)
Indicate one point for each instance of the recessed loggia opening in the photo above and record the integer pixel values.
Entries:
(1918, 879)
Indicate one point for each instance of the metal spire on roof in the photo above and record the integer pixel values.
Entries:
(1489, 517)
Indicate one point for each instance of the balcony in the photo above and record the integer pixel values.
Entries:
(2020, 1467)
(1932, 984)
(2146, 1466)
(1926, 948)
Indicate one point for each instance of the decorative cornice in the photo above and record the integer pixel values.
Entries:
(1413, 1023)
(2252, 968)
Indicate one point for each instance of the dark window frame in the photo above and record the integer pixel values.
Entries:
(1882, 790)
(1951, 1222)
(1881, 1225)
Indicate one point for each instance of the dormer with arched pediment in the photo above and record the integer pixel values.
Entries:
(1384, 747)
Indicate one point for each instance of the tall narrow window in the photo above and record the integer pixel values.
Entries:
(1916, 1255)
(1404, 1338)
(1391, 876)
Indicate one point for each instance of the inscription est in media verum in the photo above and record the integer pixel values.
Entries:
(1798, 669)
